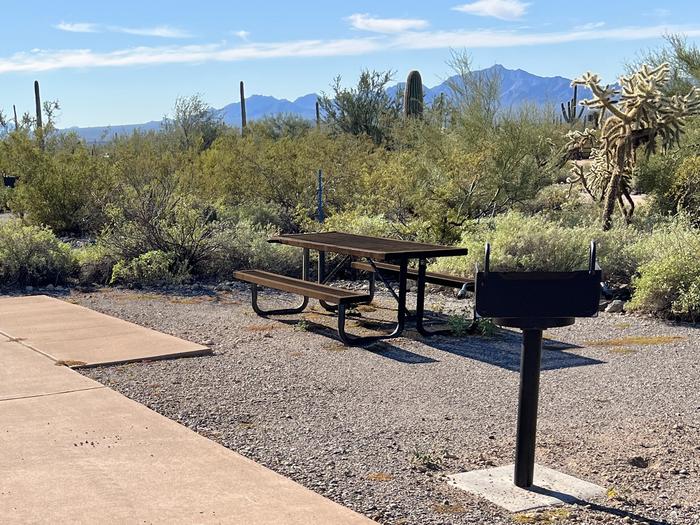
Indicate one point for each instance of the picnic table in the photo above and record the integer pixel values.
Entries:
(384, 257)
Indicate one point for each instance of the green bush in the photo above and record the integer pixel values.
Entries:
(521, 243)
(669, 287)
(32, 255)
(154, 268)
(95, 264)
(355, 221)
(5, 196)
(244, 245)
(63, 188)
(684, 193)
(669, 271)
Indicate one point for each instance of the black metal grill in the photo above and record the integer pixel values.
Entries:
(533, 302)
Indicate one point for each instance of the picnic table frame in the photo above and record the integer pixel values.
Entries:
(372, 249)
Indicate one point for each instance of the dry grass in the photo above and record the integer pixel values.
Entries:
(335, 347)
(257, 328)
(636, 341)
(441, 508)
(69, 362)
(379, 476)
(199, 299)
(365, 308)
(545, 516)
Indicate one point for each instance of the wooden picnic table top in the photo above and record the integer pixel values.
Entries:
(376, 248)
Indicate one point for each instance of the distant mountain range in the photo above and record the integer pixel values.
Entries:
(517, 87)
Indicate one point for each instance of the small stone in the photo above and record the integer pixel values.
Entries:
(615, 307)
(638, 461)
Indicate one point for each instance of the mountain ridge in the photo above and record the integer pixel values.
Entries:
(517, 87)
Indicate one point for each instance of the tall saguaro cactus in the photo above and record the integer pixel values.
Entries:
(569, 111)
(318, 115)
(413, 95)
(244, 121)
(637, 113)
(39, 125)
(14, 110)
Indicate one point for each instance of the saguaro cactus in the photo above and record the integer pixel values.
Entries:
(413, 95)
(243, 114)
(318, 115)
(39, 125)
(37, 101)
(14, 110)
(569, 111)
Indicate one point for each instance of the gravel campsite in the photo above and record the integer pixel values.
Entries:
(379, 429)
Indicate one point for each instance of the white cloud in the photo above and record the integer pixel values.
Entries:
(162, 31)
(81, 27)
(45, 59)
(243, 35)
(503, 9)
(159, 31)
(496, 39)
(659, 12)
(366, 22)
(48, 60)
(589, 26)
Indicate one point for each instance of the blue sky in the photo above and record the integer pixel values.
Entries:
(127, 61)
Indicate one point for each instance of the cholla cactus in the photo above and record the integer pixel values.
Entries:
(637, 113)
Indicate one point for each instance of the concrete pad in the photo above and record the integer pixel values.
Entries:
(550, 488)
(25, 373)
(80, 336)
(95, 456)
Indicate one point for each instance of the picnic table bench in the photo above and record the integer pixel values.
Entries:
(383, 256)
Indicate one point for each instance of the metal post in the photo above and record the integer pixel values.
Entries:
(527, 409)
(321, 218)
(319, 205)
(305, 264)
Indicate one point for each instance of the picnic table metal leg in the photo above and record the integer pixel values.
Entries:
(527, 409)
(324, 277)
(284, 311)
(351, 340)
(420, 302)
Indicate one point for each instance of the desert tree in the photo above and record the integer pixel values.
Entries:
(365, 109)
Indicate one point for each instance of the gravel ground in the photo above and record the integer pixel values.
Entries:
(378, 430)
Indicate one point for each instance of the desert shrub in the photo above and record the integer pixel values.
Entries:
(280, 125)
(669, 287)
(149, 211)
(32, 255)
(521, 243)
(244, 245)
(669, 271)
(154, 268)
(63, 187)
(355, 221)
(281, 173)
(95, 263)
(5, 196)
(262, 214)
(553, 198)
(684, 193)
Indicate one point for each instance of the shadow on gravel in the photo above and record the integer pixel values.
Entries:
(624, 515)
(503, 351)
(381, 348)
